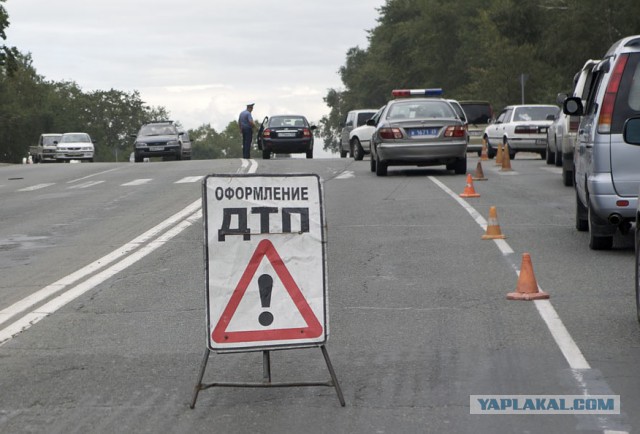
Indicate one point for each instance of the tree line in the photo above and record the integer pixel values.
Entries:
(477, 50)
(473, 49)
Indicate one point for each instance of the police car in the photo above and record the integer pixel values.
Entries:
(418, 128)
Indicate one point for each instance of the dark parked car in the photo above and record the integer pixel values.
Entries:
(161, 139)
(285, 134)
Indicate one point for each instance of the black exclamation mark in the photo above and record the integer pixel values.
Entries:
(265, 283)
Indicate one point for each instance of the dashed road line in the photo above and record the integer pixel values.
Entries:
(85, 185)
(189, 179)
(140, 181)
(37, 187)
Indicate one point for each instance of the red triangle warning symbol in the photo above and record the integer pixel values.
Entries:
(312, 330)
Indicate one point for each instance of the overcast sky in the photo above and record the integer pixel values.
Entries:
(201, 59)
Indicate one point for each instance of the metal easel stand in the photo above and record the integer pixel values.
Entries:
(266, 376)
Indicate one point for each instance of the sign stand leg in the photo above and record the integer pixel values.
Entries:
(198, 386)
(266, 367)
(334, 378)
(266, 378)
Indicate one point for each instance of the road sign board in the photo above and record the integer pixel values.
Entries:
(265, 261)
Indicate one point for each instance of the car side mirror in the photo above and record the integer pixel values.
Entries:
(312, 127)
(573, 106)
(631, 131)
(371, 122)
(551, 117)
(560, 98)
(55, 142)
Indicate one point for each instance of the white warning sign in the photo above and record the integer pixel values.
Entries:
(265, 261)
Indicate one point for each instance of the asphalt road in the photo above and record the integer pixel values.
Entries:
(102, 268)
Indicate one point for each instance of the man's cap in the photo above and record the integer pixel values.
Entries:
(251, 104)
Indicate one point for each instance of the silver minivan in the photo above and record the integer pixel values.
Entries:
(607, 175)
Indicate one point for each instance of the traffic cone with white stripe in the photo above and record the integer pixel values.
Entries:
(469, 191)
(527, 287)
(479, 175)
(493, 231)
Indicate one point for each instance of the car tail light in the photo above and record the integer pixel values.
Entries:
(266, 133)
(526, 129)
(622, 203)
(455, 131)
(606, 112)
(574, 123)
(306, 132)
(390, 133)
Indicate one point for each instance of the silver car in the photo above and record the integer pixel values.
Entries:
(418, 130)
(606, 173)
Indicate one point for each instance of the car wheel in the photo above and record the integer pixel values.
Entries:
(543, 154)
(310, 153)
(460, 167)
(372, 163)
(567, 177)
(138, 158)
(358, 152)
(381, 168)
(638, 275)
(491, 153)
(343, 154)
(551, 156)
(558, 161)
(266, 154)
(595, 242)
(582, 222)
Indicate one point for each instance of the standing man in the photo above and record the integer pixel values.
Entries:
(245, 121)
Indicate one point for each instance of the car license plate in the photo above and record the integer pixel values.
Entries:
(422, 132)
(286, 134)
(156, 148)
(541, 142)
(475, 133)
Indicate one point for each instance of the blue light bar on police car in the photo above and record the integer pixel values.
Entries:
(399, 93)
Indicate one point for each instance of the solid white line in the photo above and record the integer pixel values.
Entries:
(189, 179)
(85, 185)
(137, 182)
(63, 299)
(560, 334)
(36, 187)
(123, 250)
(91, 176)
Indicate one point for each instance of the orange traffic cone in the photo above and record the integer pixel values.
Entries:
(493, 228)
(499, 155)
(527, 288)
(479, 175)
(484, 154)
(506, 159)
(469, 191)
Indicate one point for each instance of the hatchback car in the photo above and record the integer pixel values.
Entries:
(561, 136)
(418, 129)
(479, 114)
(360, 138)
(285, 134)
(75, 146)
(353, 120)
(522, 127)
(606, 173)
(161, 139)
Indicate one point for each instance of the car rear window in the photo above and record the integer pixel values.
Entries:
(477, 113)
(420, 109)
(287, 121)
(534, 113)
(628, 97)
(364, 117)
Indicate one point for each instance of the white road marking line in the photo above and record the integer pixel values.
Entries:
(137, 182)
(560, 334)
(37, 187)
(85, 185)
(66, 297)
(123, 250)
(347, 174)
(92, 175)
(189, 179)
